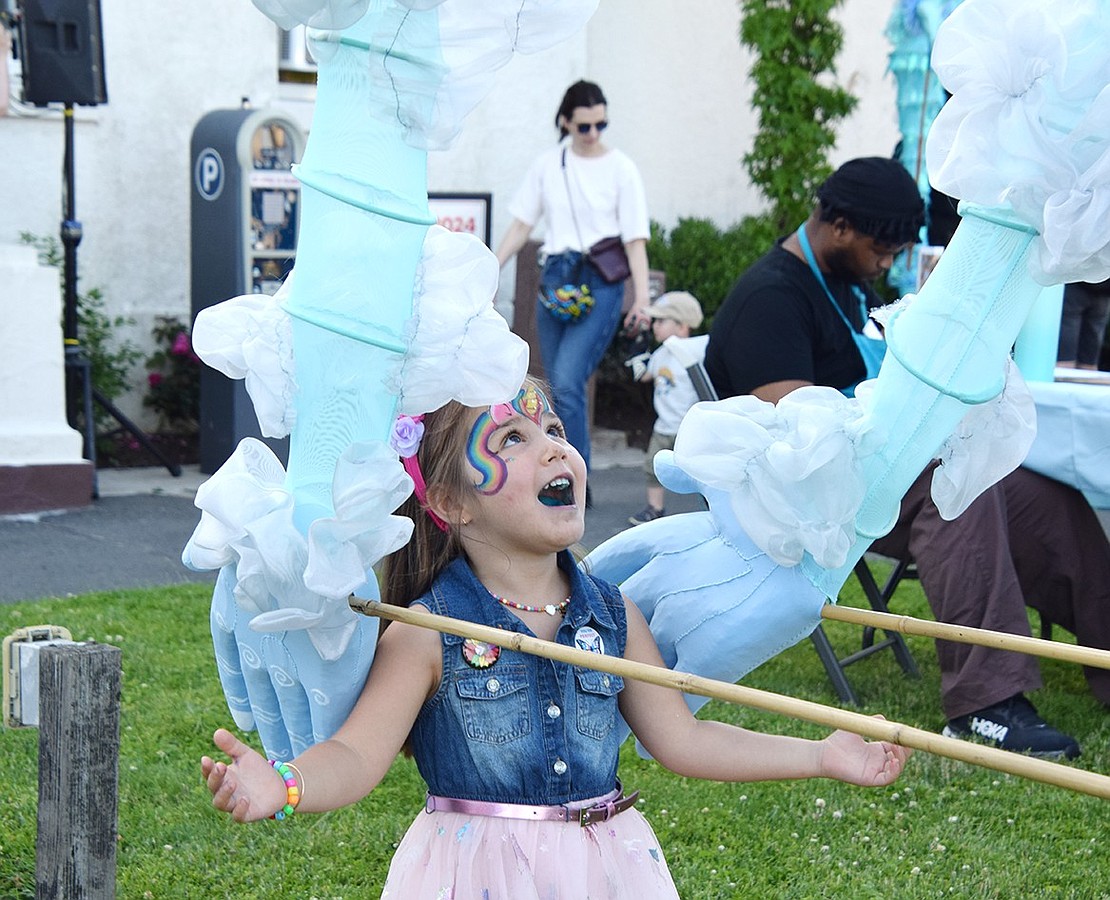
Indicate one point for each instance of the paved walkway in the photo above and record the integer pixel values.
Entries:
(132, 536)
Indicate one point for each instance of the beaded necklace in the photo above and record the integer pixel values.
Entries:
(552, 609)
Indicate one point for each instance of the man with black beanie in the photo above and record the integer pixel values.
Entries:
(798, 317)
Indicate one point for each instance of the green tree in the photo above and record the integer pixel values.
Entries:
(795, 43)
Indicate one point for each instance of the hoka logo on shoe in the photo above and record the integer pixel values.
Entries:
(992, 731)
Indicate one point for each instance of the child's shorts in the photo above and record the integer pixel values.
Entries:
(658, 442)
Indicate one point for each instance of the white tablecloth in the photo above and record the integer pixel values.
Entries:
(1073, 437)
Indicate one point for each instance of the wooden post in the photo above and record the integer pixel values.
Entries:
(75, 855)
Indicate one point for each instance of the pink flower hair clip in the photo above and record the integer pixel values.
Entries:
(408, 432)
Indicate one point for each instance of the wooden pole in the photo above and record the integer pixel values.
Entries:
(877, 729)
(75, 855)
(1087, 656)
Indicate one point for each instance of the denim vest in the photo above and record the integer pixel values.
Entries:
(525, 729)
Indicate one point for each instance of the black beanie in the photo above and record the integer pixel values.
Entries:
(877, 196)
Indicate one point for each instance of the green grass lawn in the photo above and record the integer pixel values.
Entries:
(945, 829)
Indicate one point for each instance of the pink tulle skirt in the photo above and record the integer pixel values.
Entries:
(454, 856)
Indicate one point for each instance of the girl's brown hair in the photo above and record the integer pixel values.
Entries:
(410, 571)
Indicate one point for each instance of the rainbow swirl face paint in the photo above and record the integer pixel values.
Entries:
(530, 403)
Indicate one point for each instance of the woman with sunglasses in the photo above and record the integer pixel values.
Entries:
(581, 191)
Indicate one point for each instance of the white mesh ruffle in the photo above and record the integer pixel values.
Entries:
(1028, 124)
(283, 580)
(432, 62)
(369, 484)
(246, 488)
(990, 442)
(791, 470)
(250, 337)
(460, 347)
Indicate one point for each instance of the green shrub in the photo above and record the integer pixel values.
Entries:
(173, 382)
(795, 44)
(705, 260)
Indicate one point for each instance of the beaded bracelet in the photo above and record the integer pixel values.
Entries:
(300, 781)
(292, 792)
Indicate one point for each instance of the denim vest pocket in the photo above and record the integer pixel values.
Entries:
(597, 702)
(494, 707)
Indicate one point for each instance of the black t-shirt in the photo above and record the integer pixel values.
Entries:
(777, 324)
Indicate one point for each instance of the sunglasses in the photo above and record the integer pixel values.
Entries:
(584, 127)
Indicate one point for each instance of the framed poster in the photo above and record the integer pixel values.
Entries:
(463, 212)
(928, 256)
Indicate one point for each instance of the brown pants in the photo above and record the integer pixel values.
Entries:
(1027, 540)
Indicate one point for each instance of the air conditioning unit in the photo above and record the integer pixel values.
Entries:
(293, 55)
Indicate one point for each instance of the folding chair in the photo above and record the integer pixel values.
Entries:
(877, 597)
(834, 665)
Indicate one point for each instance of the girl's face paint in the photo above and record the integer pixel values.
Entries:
(530, 403)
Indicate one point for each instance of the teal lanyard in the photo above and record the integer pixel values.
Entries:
(812, 260)
(870, 349)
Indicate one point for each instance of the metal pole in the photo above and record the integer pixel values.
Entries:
(71, 237)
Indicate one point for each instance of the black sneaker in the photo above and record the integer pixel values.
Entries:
(647, 514)
(1014, 725)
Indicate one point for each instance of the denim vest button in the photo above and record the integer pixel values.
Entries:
(553, 712)
(493, 685)
(560, 767)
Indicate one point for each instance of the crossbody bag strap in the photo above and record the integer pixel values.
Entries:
(570, 202)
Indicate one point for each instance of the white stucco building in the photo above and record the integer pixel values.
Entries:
(674, 73)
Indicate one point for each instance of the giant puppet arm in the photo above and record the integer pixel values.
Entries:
(1025, 140)
(384, 313)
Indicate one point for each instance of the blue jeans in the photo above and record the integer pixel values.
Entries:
(571, 351)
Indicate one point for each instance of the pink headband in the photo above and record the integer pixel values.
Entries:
(408, 432)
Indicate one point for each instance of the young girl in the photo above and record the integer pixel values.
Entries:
(519, 752)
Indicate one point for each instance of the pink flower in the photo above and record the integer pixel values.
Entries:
(180, 344)
(154, 379)
(408, 431)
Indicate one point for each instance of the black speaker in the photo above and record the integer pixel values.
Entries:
(63, 52)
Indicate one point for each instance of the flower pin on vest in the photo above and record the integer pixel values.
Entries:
(587, 638)
(479, 654)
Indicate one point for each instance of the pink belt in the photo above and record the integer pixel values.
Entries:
(606, 808)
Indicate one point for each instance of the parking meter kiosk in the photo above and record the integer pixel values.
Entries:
(245, 213)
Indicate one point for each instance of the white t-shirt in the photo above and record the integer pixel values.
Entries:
(606, 191)
(674, 391)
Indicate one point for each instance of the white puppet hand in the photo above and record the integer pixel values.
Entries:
(638, 364)
(716, 604)
(277, 683)
(291, 654)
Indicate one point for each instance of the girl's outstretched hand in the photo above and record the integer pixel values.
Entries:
(248, 787)
(848, 757)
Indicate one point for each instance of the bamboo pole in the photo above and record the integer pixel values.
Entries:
(875, 728)
(1087, 656)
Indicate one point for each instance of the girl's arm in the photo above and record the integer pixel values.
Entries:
(663, 723)
(344, 769)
